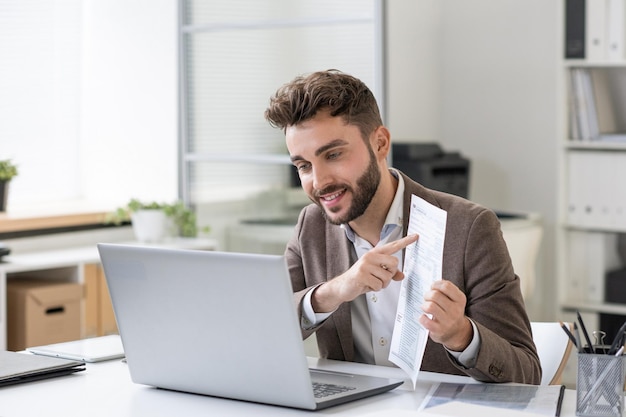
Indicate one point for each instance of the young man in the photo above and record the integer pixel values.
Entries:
(345, 258)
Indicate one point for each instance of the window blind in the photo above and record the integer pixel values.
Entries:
(234, 55)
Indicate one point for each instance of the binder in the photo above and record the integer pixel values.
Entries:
(596, 42)
(584, 122)
(579, 183)
(574, 29)
(590, 103)
(596, 198)
(594, 30)
(582, 93)
(575, 98)
(575, 290)
(615, 30)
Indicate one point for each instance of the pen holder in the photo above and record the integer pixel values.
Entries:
(600, 385)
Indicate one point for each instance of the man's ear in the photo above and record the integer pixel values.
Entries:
(382, 141)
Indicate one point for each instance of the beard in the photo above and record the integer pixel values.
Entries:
(366, 187)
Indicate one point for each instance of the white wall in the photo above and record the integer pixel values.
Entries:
(478, 76)
(130, 106)
(413, 69)
(481, 77)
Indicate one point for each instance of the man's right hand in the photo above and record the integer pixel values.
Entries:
(372, 272)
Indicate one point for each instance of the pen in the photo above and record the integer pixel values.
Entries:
(569, 334)
(584, 330)
(619, 339)
(578, 342)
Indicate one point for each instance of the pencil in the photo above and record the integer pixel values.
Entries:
(584, 330)
(569, 334)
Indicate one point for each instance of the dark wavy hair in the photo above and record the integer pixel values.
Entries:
(341, 94)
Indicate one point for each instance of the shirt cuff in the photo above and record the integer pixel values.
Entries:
(467, 358)
(310, 318)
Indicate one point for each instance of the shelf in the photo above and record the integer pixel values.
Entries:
(12, 223)
(581, 63)
(595, 229)
(595, 146)
(587, 307)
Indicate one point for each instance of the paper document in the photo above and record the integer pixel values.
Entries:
(422, 266)
(514, 398)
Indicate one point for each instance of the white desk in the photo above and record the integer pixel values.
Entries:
(105, 389)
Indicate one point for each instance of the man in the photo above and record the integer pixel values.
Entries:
(345, 258)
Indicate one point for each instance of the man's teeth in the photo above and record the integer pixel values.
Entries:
(332, 196)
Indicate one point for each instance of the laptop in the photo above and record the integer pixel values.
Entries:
(16, 367)
(94, 349)
(221, 324)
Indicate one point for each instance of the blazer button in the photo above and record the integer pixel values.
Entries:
(495, 371)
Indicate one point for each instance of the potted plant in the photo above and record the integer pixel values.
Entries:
(8, 170)
(152, 221)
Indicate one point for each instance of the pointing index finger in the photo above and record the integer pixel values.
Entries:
(393, 247)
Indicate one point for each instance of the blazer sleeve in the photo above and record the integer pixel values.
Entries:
(495, 303)
(293, 256)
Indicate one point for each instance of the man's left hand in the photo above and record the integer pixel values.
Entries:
(447, 324)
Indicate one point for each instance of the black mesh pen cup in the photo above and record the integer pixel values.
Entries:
(600, 385)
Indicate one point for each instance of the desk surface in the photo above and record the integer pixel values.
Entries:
(105, 389)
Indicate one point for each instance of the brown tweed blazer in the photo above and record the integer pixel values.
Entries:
(475, 258)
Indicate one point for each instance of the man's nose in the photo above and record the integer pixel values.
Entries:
(321, 178)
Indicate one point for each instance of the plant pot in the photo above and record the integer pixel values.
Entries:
(149, 225)
(4, 194)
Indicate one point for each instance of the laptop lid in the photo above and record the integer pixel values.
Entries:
(215, 323)
(16, 367)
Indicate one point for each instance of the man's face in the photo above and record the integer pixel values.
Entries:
(337, 169)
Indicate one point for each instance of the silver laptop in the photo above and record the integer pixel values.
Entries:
(220, 324)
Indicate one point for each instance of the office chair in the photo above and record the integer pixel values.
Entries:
(523, 238)
(553, 348)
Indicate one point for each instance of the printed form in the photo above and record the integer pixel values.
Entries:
(422, 266)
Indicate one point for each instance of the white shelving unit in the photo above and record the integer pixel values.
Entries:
(66, 265)
(593, 200)
(592, 210)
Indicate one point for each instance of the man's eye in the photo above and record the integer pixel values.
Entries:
(334, 155)
(303, 167)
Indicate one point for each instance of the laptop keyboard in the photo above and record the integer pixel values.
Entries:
(321, 390)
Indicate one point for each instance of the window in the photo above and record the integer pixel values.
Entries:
(90, 90)
(89, 102)
(234, 55)
(40, 46)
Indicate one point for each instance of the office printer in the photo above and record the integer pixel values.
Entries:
(429, 165)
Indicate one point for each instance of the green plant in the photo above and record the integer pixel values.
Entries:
(183, 217)
(8, 170)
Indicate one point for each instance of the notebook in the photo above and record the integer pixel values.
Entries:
(220, 324)
(93, 349)
(18, 367)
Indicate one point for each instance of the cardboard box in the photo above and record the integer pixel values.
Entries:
(99, 315)
(40, 312)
